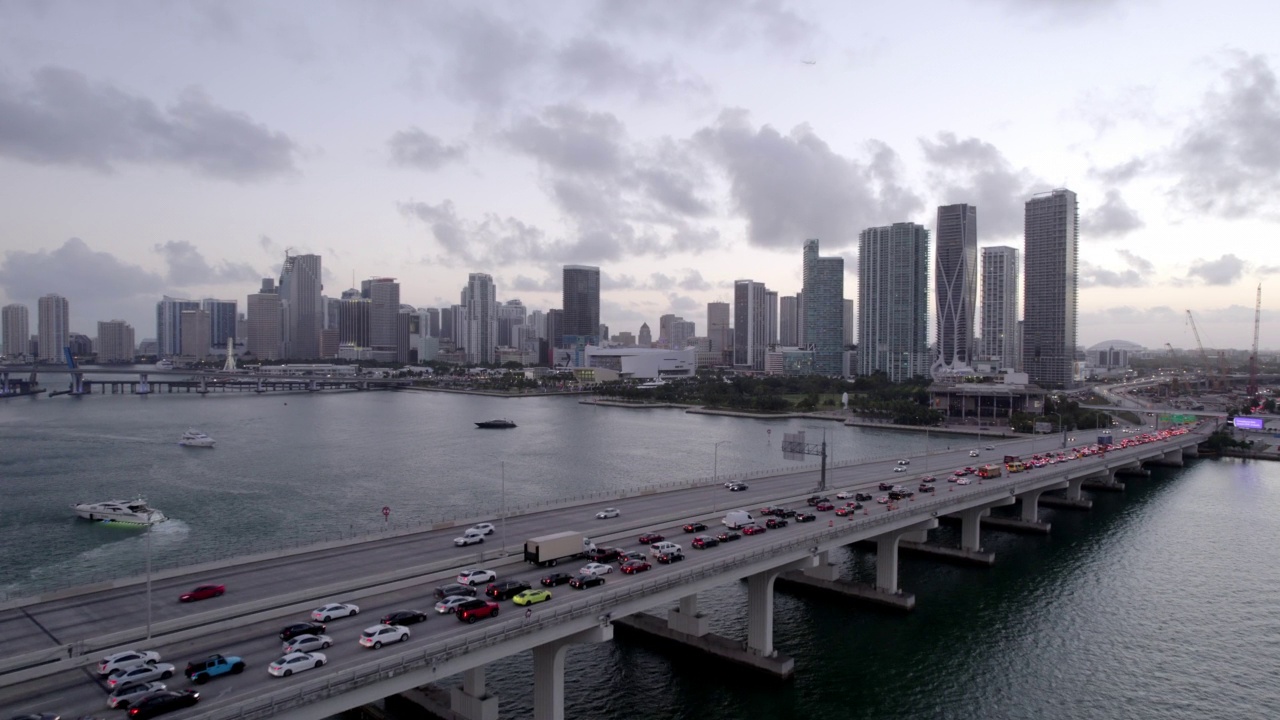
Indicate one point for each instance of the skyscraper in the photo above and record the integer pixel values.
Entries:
(788, 321)
(850, 320)
(511, 315)
(1000, 270)
(195, 333)
(383, 295)
(265, 319)
(555, 331)
(300, 288)
(893, 307)
(1049, 281)
(433, 323)
(824, 309)
(54, 322)
(222, 320)
(646, 337)
(750, 324)
(482, 319)
(581, 295)
(169, 324)
(353, 319)
(955, 288)
(15, 326)
(115, 342)
(718, 325)
(771, 311)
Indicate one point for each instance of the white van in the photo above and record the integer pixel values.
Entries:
(664, 548)
(736, 519)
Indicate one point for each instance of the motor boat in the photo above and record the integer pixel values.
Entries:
(496, 424)
(131, 512)
(164, 364)
(195, 438)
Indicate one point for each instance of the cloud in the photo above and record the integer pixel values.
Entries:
(187, 267)
(1267, 269)
(1137, 275)
(791, 187)
(1122, 173)
(1223, 271)
(724, 24)
(974, 171)
(489, 57)
(61, 118)
(1113, 218)
(524, 283)
(1140, 264)
(694, 282)
(591, 65)
(1228, 156)
(568, 138)
(418, 149)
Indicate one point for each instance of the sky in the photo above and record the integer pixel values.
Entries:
(182, 148)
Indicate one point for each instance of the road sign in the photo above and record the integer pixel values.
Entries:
(386, 511)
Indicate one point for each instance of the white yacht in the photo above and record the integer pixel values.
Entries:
(164, 364)
(195, 438)
(133, 512)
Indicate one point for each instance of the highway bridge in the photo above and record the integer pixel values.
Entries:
(16, 379)
(50, 642)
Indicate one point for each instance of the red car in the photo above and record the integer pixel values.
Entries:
(635, 566)
(647, 538)
(475, 609)
(824, 506)
(202, 592)
(752, 530)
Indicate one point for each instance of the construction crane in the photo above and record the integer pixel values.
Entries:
(1204, 356)
(1252, 391)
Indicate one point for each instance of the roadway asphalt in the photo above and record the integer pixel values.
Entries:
(76, 692)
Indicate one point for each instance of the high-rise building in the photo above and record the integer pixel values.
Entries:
(169, 324)
(332, 308)
(54, 326)
(824, 309)
(265, 320)
(850, 320)
(955, 288)
(750, 324)
(300, 288)
(682, 332)
(242, 327)
(800, 341)
(353, 319)
(555, 331)
(115, 342)
(459, 329)
(646, 337)
(788, 321)
(1050, 289)
(1000, 271)
(581, 295)
(196, 333)
(15, 326)
(771, 309)
(664, 328)
(718, 325)
(383, 295)
(511, 315)
(482, 319)
(893, 307)
(222, 321)
(433, 323)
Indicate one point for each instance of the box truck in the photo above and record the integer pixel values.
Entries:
(989, 471)
(551, 549)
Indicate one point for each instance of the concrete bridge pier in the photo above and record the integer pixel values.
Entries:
(971, 524)
(1073, 488)
(1031, 502)
(887, 553)
(471, 701)
(823, 568)
(4, 383)
(1104, 480)
(1192, 450)
(144, 387)
(1173, 458)
(686, 619)
(548, 671)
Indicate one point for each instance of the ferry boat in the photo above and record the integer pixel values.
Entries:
(496, 424)
(131, 512)
(195, 438)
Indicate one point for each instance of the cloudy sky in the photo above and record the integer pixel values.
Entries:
(182, 148)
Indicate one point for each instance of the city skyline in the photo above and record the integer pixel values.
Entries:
(598, 134)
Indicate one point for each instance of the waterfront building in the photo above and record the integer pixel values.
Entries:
(771, 311)
(115, 342)
(1050, 289)
(646, 337)
(789, 321)
(1000, 271)
(823, 309)
(383, 294)
(329, 342)
(536, 323)
(682, 333)
(54, 326)
(719, 329)
(169, 324)
(788, 361)
(79, 344)
(581, 303)
(242, 328)
(332, 307)
(481, 326)
(354, 314)
(222, 321)
(300, 287)
(643, 363)
(624, 339)
(555, 334)
(433, 322)
(265, 321)
(955, 289)
(148, 347)
(195, 333)
(850, 320)
(750, 325)
(15, 331)
(511, 315)
(893, 310)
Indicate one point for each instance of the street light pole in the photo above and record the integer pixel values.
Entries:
(1062, 428)
(504, 505)
(715, 469)
(148, 582)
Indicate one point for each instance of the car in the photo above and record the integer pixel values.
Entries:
(775, 523)
(848, 510)
(647, 538)
(824, 506)
(728, 536)
(605, 554)
(595, 569)
(702, 542)
(445, 591)
(290, 632)
(532, 596)
(928, 479)
(158, 703)
(739, 487)
(138, 674)
(904, 462)
(883, 499)
(884, 486)
(482, 528)
(126, 658)
(635, 566)
(805, 517)
(630, 555)
(477, 609)
(863, 497)
(667, 558)
(202, 671)
(450, 603)
(334, 610)
(378, 635)
(695, 527)
(585, 581)
(404, 617)
(470, 537)
(506, 590)
(963, 481)
(785, 513)
(973, 453)
(752, 530)
(476, 577)
(123, 697)
(608, 513)
(993, 447)
(899, 469)
(306, 643)
(296, 662)
(202, 592)
(554, 579)
(814, 499)
(844, 494)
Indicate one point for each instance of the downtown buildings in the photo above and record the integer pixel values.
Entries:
(1051, 236)
(893, 309)
(54, 322)
(750, 324)
(824, 309)
(955, 288)
(300, 303)
(15, 331)
(1000, 272)
(580, 296)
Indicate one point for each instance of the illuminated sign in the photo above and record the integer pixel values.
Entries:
(1249, 423)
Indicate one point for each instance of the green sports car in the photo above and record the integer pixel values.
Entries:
(529, 597)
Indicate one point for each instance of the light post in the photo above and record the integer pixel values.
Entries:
(503, 465)
(715, 462)
(148, 583)
(1062, 428)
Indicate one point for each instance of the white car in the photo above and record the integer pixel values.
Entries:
(139, 674)
(124, 697)
(900, 469)
(844, 494)
(904, 462)
(964, 481)
(295, 662)
(482, 528)
(334, 610)
(595, 569)
(607, 513)
(476, 577)
(127, 658)
(470, 537)
(306, 643)
(973, 453)
(990, 447)
(379, 635)
(450, 603)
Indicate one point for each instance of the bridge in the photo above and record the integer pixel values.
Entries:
(24, 380)
(50, 641)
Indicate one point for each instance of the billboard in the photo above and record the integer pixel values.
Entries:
(1043, 427)
(1249, 423)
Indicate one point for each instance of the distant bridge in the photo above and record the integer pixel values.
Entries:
(18, 380)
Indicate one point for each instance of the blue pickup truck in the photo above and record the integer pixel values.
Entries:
(199, 671)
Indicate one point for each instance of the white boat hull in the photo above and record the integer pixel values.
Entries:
(131, 513)
(205, 443)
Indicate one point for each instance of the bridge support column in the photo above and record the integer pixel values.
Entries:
(887, 553)
(1031, 505)
(77, 383)
(1073, 488)
(470, 701)
(760, 613)
(4, 383)
(144, 387)
(971, 528)
(824, 570)
(1191, 451)
(548, 671)
(686, 619)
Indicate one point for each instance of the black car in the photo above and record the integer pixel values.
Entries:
(885, 486)
(585, 581)
(775, 523)
(702, 542)
(728, 536)
(555, 579)
(928, 489)
(739, 487)
(445, 591)
(506, 590)
(304, 628)
(694, 527)
(814, 499)
(630, 555)
(668, 558)
(863, 497)
(404, 617)
(163, 701)
(784, 513)
(895, 495)
(805, 517)
(604, 554)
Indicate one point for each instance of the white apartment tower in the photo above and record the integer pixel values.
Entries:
(15, 327)
(1000, 271)
(54, 326)
(750, 324)
(481, 325)
(893, 307)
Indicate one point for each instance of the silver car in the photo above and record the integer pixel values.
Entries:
(125, 696)
(139, 674)
(306, 643)
(127, 658)
(450, 603)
